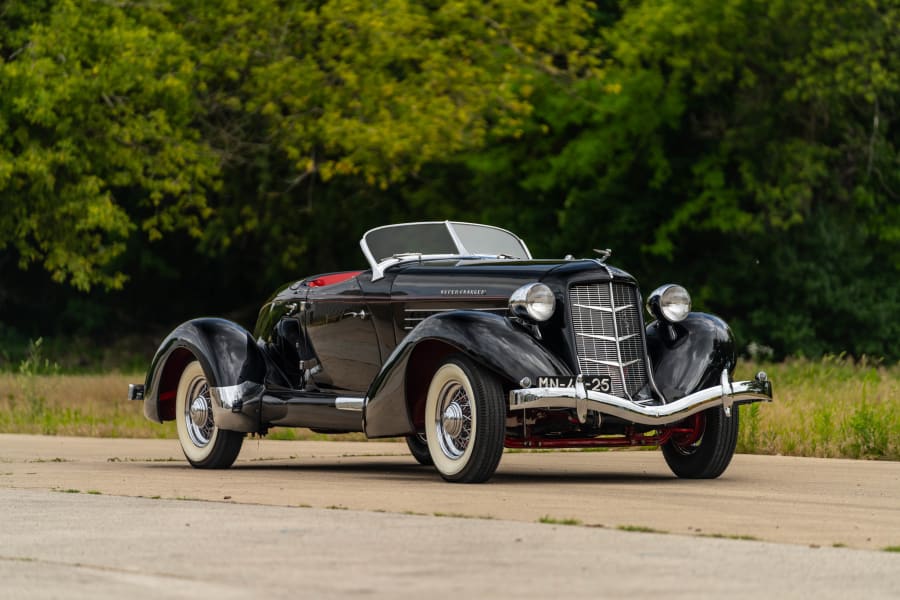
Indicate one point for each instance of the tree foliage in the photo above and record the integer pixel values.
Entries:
(96, 139)
(746, 149)
(306, 94)
(750, 151)
(119, 117)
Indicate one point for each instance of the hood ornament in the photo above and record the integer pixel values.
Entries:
(604, 254)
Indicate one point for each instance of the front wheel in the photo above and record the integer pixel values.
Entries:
(465, 421)
(204, 445)
(706, 451)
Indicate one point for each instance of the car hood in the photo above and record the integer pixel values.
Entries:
(494, 278)
(534, 269)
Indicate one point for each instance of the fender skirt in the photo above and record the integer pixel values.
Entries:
(233, 363)
(493, 341)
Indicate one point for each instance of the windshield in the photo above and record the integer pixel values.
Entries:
(412, 238)
(394, 243)
(478, 239)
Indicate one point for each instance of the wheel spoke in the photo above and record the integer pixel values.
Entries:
(454, 422)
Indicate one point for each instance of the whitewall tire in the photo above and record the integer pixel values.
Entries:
(465, 421)
(204, 444)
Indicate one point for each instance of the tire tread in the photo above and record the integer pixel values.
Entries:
(715, 451)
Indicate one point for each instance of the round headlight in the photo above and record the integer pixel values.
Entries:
(670, 302)
(534, 301)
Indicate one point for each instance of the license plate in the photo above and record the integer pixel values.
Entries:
(593, 383)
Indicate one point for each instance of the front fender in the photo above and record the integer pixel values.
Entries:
(690, 355)
(231, 360)
(493, 341)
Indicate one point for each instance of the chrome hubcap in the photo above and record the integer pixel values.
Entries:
(199, 411)
(454, 420)
(198, 414)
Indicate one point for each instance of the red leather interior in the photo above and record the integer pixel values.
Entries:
(332, 278)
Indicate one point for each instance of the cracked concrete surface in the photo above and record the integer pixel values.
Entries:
(269, 525)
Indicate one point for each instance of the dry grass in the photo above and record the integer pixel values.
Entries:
(829, 408)
(95, 406)
(83, 405)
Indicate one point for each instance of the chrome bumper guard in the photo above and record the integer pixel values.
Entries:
(726, 395)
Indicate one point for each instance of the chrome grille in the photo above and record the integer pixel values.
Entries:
(606, 321)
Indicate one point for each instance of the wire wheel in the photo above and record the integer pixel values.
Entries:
(454, 419)
(465, 421)
(198, 413)
(203, 444)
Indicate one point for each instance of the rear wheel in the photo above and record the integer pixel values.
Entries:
(418, 447)
(204, 445)
(465, 421)
(705, 452)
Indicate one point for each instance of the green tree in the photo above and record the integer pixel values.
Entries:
(96, 107)
(317, 108)
(117, 118)
(747, 149)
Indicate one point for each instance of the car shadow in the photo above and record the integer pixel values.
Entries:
(607, 477)
(382, 470)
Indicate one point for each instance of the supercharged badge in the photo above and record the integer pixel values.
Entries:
(593, 383)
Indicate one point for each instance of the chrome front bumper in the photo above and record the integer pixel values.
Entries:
(726, 395)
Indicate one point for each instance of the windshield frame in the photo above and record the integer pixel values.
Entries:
(378, 268)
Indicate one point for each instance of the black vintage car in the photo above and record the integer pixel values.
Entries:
(457, 339)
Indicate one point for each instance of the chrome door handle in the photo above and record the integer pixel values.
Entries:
(362, 314)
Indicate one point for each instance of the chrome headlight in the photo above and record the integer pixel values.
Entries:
(669, 302)
(534, 301)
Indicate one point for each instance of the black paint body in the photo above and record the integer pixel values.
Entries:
(314, 346)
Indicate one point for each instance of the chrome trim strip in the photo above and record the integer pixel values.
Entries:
(726, 394)
(440, 310)
(232, 397)
(603, 308)
(354, 404)
(604, 266)
(615, 324)
(606, 338)
(612, 363)
(647, 363)
(409, 323)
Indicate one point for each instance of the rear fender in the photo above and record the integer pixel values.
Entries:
(396, 399)
(233, 363)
